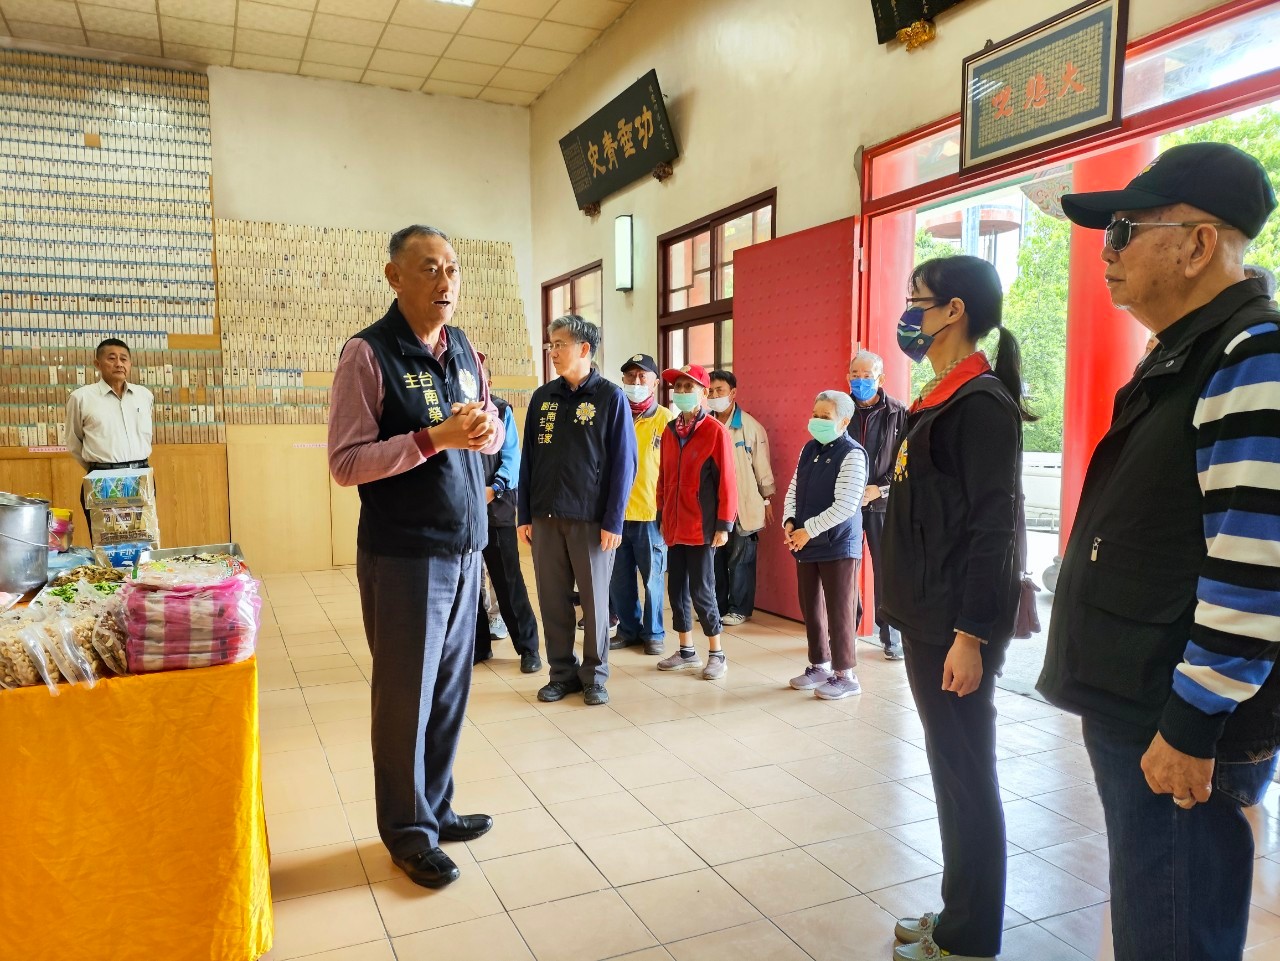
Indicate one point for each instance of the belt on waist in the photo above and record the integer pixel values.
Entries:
(123, 465)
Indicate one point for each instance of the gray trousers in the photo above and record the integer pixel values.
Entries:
(565, 551)
(420, 621)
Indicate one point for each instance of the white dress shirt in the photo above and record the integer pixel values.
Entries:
(105, 429)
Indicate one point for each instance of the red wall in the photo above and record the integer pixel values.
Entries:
(793, 304)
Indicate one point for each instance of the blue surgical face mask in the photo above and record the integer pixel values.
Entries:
(863, 388)
(686, 403)
(822, 430)
(637, 393)
(913, 341)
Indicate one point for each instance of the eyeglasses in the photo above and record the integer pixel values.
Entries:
(917, 301)
(1120, 231)
(559, 345)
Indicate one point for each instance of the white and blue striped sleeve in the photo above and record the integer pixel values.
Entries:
(847, 499)
(1235, 636)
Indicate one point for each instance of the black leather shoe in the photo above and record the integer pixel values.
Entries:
(558, 690)
(467, 827)
(653, 647)
(530, 664)
(430, 869)
(595, 694)
(620, 641)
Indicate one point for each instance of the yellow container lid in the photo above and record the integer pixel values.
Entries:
(60, 514)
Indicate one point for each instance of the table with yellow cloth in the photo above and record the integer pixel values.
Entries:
(131, 820)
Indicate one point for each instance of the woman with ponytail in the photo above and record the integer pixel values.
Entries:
(951, 583)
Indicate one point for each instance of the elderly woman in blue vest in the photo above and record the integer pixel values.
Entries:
(823, 525)
(951, 584)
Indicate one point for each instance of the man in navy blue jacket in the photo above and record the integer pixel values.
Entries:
(575, 477)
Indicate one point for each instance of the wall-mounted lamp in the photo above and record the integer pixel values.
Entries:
(622, 262)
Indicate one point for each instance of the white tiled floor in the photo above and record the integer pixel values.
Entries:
(686, 820)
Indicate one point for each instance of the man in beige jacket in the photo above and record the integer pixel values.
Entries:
(736, 561)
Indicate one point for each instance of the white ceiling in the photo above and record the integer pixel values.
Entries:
(504, 51)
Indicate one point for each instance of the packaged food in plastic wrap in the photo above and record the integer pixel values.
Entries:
(32, 643)
(181, 614)
(125, 555)
(113, 523)
(60, 646)
(109, 638)
(131, 486)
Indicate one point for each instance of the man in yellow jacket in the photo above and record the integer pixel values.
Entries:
(642, 552)
(736, 563)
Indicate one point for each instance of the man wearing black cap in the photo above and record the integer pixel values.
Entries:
(1166, 621)
(642, 550)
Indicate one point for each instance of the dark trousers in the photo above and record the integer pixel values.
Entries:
(873, 525)
(1180, 880)
(736, 574)
(691, 580)
(960, 740)
(419, 618)
(827, 592)
(502, 559)
(566, 551)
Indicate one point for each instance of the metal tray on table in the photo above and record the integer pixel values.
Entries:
(162, 552)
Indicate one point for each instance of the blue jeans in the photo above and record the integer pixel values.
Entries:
(736, 574)
(642, 549)
(1180, 880)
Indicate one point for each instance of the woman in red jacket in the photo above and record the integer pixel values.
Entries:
(697, 504)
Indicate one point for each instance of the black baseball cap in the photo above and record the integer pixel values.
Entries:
(1217, 178)
(643, 361)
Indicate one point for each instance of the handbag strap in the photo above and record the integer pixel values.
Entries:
(1020, 521)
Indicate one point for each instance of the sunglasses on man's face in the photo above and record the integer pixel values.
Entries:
(1120, 231)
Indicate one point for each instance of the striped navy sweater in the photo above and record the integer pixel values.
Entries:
(1236, 632)
(1167, 611)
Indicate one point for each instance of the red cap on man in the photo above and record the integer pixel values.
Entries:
(693, 371)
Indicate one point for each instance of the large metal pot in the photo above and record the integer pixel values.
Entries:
(24, 543)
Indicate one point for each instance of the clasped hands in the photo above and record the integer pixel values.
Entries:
(468, 427)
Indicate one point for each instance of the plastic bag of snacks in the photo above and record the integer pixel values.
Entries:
(190, 612)
(60, 529)
(60, 646)
(31, 640)
(109, 638)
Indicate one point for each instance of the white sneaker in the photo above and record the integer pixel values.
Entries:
(733, 620)
(813, 677)
(838, 686)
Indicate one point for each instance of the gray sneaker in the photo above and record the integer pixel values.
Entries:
(911, 930)
(717, 667)
(811, 678)
(838, 686)
(678, 662)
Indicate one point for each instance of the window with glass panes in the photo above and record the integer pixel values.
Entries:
(695, 289)
(579, 292)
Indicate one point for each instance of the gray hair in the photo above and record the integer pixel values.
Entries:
(843, 402)
(582, 331)
(877, 362)
(402, 236)
(1258, 272)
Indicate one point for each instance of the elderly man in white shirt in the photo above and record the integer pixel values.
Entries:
(109, 421)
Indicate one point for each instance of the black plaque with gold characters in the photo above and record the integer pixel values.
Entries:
(621, 143)
(894, 15)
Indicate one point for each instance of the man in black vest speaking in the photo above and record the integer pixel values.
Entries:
(410, 416)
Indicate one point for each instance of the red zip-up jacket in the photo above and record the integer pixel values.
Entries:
(697, 487)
